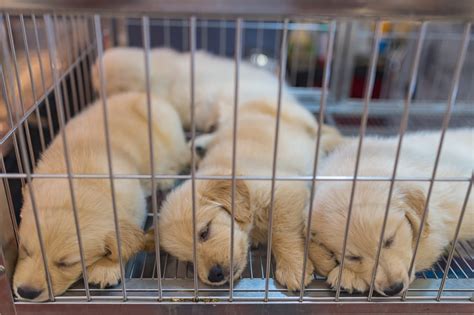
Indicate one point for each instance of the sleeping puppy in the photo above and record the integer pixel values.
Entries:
(87, 148)
(255, 137)
(170, 79)
(407, 205)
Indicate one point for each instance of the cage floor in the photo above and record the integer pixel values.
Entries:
(177, 280)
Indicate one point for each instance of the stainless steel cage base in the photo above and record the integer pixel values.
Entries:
(177, 282)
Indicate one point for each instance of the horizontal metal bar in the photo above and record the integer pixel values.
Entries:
(443, 9)
(245, 177)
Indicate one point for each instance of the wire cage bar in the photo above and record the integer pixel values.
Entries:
(48, 59)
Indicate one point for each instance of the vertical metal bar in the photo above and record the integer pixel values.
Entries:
(203, 34)
(222, 37)
(238, 43)
(87, 41)
(192, 46)
(103, 96)
(146, 46)
(5, 180)
(402, 130)
(77, 54)
(166, 33)
(369, 86)
(277, 41)
(33, 89)
(29, 181)
(10, 109)
(60, 48)
(281, 80)
(55, 74)
(259, 39)
(43, 80)
(311, 62)
(447, 117)
(324, 93)
(70, 57)
(295, 55)
(20, 93)
(184, 35)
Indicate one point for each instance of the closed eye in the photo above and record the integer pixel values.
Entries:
(204, 233)
(388, 242)
(354, 258)
(65, 264)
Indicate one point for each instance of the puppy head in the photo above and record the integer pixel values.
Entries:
(213, 228)
(62, 250)
(328, 225)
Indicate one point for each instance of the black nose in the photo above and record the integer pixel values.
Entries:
(216, 274)
(394, 289)
(29, 293)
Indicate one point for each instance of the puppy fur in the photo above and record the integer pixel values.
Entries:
(255, 137)
(406, 209)
(127, 117)
(170, 78)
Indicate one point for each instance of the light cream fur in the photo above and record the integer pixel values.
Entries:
(127, 116)
(170, 78)
(255, 137)
(407, 205)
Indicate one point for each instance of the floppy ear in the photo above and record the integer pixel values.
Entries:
(132, 241)
(414, 200)
(220, 191)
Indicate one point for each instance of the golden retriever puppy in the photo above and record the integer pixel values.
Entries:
(406, 208)
(255, 138)
(87, 148)
(170, 78)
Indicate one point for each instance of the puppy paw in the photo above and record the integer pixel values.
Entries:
(350, 281)
(104, 273)
(289, 274)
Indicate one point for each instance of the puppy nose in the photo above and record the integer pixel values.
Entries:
(216, 274)
(394, 289)
(29, 293)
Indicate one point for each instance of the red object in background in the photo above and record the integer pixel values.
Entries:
(358, 83)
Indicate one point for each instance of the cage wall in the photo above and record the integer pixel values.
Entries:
(389, 76)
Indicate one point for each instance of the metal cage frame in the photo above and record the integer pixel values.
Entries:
(85, 20)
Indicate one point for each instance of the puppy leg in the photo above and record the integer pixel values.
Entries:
(104, 273)
(350, 281)
(287, 236)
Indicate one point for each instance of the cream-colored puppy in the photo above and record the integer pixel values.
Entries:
(407, 204)
(255, 137)
(87, 149)
(170, 78)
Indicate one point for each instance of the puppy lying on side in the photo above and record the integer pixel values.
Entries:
(406, 208)
(170, 78)
(255, 137)
(130, 155)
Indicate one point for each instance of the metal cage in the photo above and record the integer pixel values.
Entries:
(358, 74)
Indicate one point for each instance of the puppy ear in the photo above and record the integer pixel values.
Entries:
(414, 201)
(220, 191)
(132, 241)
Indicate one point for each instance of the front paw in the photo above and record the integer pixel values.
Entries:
(104, 273)
(350, 281)
(289, 274)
